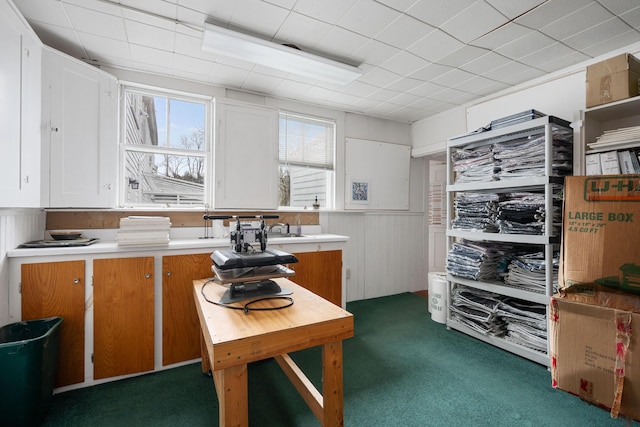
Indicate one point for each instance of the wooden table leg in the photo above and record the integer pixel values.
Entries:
(332, 391)
(231, 387)
(204, 354)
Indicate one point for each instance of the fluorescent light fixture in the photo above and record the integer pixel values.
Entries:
(248, 48)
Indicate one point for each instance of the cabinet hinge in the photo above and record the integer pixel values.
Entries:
(20, 287)
(91, 357)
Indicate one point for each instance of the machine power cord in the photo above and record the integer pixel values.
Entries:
(247, 306)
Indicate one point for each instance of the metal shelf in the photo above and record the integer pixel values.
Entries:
(503, 186)
(507, 238)
(536, 356)
(502, 289)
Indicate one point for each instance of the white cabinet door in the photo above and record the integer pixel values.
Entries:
(80, 120)
(246, 157)
(20, 53)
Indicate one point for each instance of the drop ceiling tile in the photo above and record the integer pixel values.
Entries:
(632, 18)
(532, 42)
(159, 10)
(606, 46)
(430, 72)
(452, 78)
(330, 11)
(565, 61)
(501, 36)
(227, 75)
(220, 10)
(403, 31)
(150, 56)
(149, 36)
(475, 21)
(261, 83)
(358, 88)
(289, 88)
(464, 55)
(100, 48)
(192, 46)
(404, 63)
(597, 34)
(383, 95)
(550, 11)
(368, 18)
(196, 19)
(405, 84)
(341, 42)
(302, 30)
(437, 12)
(379, 77)
(404, 99)
(374, 52)
(110, 8)
(620, 6)
(548, 54)
(484, 63)
(100, 24)
(504, 73)
(479, 85)
(193, 65)
(49, 12)
(258, 17)
(434, 46)
(577, 22)
(399, 5)
(287, 4)
(427, 89)
(512, 9)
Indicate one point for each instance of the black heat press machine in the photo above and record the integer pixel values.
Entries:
(247, 267)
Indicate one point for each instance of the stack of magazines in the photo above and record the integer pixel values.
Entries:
(143, 230)
(517, 321)
(473, 165)
(475, 212)
(476, 260)
(524, 213)
(526, 157)
(528, 272)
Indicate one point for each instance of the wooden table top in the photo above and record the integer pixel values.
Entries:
(236, 338)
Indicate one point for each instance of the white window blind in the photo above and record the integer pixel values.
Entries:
(306, 141)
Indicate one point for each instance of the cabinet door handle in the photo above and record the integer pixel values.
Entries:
(147, 276)
(168, 273)
(76, 280)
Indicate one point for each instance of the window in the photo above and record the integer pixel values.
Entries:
(306, 158)
(165, 149)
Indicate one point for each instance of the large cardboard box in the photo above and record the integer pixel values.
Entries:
(613, 79)
(601, 232)
(595, 347)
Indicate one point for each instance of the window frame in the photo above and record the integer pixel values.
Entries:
(124, 147)
(330, 191)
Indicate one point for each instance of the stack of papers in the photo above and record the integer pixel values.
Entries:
(617, 139)
(475, 212)
(143, 230)
(473, 165)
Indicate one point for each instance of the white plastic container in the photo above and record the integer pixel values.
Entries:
(437, 290)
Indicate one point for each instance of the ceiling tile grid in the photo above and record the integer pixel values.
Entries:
(417, 57)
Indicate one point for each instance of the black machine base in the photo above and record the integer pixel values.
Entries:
(248, 290)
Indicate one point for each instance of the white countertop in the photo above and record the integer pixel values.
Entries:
(108, 246)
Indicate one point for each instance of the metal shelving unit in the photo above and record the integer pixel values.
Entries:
(547, 125)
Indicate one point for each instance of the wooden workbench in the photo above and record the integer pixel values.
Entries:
(232, 339)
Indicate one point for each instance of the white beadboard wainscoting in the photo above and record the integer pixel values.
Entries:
(386, 252)
(16, 226)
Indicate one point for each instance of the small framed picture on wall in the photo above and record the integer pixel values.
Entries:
(360, 191)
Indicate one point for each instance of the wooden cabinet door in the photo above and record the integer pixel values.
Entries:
(122, 316)
(180, 324)
(321, 273)
(57, 289)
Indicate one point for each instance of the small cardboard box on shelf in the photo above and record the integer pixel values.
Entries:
(601, 231)
(613, 79)
(594, 354)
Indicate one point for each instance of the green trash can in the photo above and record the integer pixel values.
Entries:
(28, 360)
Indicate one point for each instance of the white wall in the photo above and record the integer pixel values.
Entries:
(16, 226)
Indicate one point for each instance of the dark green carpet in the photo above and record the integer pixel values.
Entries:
(400, 369)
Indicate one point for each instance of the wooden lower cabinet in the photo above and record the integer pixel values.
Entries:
(321, 273)
(180, 324)
(57, 289)
(123, 334)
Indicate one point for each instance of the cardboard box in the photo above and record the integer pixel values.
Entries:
(594, 353)
(613, 79)
(601, 232)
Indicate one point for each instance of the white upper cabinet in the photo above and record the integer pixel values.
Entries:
(20, 56)
(246, 156)
(79, 117)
